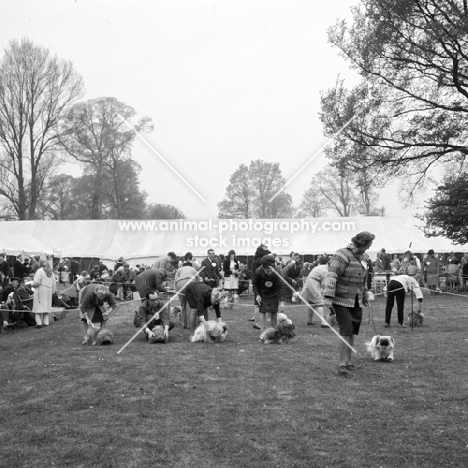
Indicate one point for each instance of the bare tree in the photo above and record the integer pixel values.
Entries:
(35, 90)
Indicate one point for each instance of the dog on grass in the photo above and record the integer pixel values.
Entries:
(415, 319)
(158, 331)
(381, 348)
(283, 332)
(99, 336)
(282, 317)
(218, 332)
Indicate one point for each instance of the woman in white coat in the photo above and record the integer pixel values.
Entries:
(44, 287)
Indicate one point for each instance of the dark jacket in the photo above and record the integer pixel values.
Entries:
(257, 261)
(198, 296)
(146, 312)
(268, 286)
(150, 280)
(210, 271)
(227, 266)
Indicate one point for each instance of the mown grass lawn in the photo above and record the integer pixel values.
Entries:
(239, 403)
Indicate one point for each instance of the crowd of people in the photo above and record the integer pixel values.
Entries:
(338, 282)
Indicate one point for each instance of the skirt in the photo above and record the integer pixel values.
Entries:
(269, 305)
(231, 282)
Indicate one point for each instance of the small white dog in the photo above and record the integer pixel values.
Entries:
(381, 348)
(282, 317)
(217, 335)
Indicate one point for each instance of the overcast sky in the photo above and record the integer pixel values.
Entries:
(225, 82)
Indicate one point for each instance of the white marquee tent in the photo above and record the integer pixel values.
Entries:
(143, 241)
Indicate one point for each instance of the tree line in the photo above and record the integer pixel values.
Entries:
(43, 123)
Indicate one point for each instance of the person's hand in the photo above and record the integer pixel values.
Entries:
(166, 334)
(259, 299)
(156, 317)
(294, 282)
(89, 322)
(328, 301)
(281, 306)
(149, 333)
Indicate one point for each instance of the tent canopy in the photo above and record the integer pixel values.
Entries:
(143, 241)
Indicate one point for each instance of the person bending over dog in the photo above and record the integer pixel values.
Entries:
(397, 288)
(199, 297)
(149, 281)
(269, 291)
(149, 310)
(96, 303)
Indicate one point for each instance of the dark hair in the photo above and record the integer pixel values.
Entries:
(362, 239)
(430, 252)
(148, 294)
(231, 252)
(172, 255)
(323, 260)
(188, 256)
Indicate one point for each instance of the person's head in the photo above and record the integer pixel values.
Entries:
(362, 241)
(152, 296)
(101, 291)
(126, 266)
(231, 254)
(430, 252)
(323, 260)
(15, 282)
(412, 262)
(188, 256)
(217, 295)
(268, 262)
(26, 260)
(211, 254)
(44, 264)
(382, 251)
(84, 273)
(96, 267)
(171, 257)
(120, 260)
(2, 258)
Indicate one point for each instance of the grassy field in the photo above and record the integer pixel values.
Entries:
(239, 403)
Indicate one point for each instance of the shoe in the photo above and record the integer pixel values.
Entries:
(323, 326)
(386, 325)
(257, 327)
(342, 370)
(402, 325)
(38, 326)
(350, 367)
(252, 319)
(85, 341)
(310, 324)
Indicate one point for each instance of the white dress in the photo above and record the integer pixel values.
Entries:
(43, 292)
(231, 282)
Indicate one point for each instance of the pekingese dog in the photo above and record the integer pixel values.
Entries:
(381, 348)
(218, 333)
(99, 336)
(158, 337)
(282, 317)
(415, 319)
(283, 332)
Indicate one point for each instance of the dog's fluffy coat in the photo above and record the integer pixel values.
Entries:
(415, 319)
(158, 337)
(99, 336)
(218, 333)
(283, 332)
(381, 348)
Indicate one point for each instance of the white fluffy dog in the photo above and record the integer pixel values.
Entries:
(218, 332)
(282, 317)
(381, 348)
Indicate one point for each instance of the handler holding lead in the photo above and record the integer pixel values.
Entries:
(269, 291)
(397, 288)
(345, 289)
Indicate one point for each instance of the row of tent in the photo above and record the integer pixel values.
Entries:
(144, 241)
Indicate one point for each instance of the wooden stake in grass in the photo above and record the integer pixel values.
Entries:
(315, 312)
(160, 310)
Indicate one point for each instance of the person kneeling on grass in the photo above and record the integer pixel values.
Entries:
(150, 311)
(96, 303)
(199, 297)
(269, 291)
